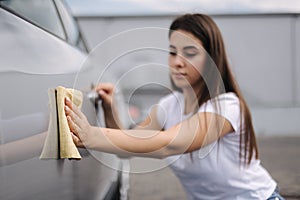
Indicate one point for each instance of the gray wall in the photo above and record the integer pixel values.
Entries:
(263, 51)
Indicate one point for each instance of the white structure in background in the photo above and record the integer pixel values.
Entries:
(263, 50)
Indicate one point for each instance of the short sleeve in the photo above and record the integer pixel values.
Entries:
(226, 105)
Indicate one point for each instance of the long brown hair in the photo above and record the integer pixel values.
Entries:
(206, 30)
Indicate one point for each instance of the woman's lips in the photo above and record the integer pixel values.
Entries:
(179, 75)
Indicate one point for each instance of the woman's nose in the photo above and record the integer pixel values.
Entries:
(179, 61)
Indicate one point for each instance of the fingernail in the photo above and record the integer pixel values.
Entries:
(101, 92)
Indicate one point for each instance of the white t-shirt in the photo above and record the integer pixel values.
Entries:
(215, 171)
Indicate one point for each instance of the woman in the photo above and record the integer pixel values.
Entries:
(203, 129)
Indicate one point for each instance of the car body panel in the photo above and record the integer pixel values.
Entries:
(33, 60)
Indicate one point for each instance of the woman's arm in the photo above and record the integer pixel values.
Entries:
(189, 135)
(150, 123)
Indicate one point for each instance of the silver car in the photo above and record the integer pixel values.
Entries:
(41, 48)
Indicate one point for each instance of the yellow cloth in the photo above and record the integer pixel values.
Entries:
(59, 143)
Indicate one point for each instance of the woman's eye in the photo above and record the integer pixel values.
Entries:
(190, 54)
(172, 53)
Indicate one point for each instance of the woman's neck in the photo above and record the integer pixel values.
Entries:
(190, 100)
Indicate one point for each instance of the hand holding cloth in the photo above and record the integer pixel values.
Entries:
(59, 143)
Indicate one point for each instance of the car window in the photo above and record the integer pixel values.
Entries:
(71, 28)
(41, 12)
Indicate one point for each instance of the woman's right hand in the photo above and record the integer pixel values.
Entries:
(106, 92)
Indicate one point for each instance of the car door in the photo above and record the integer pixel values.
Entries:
(33, 58)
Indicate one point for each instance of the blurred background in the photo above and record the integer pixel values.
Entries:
(262, 39)
(126, 42)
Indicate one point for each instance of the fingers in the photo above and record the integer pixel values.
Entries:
(106, 97)
(71, 107)
(73, 119)
(76, 140)
(77, 123)
(106, 87)
(74, 128)
(75, 132)
(106, 91)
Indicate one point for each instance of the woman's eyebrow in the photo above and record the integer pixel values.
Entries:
(172, 46)
(190, 48)
(184, 48)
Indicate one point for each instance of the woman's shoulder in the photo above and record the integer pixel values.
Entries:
(228, 96)
(226, 105)
(225, 98)
(223, 104)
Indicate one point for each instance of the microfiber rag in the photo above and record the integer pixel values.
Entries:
(59, 143)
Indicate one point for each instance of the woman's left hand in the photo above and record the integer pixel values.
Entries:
(78, 123)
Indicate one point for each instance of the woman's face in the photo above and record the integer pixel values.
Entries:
(186, 59)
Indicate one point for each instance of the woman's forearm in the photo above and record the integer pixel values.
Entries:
(129, 142)
(140, 142)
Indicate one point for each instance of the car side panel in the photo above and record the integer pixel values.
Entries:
(31, 62)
